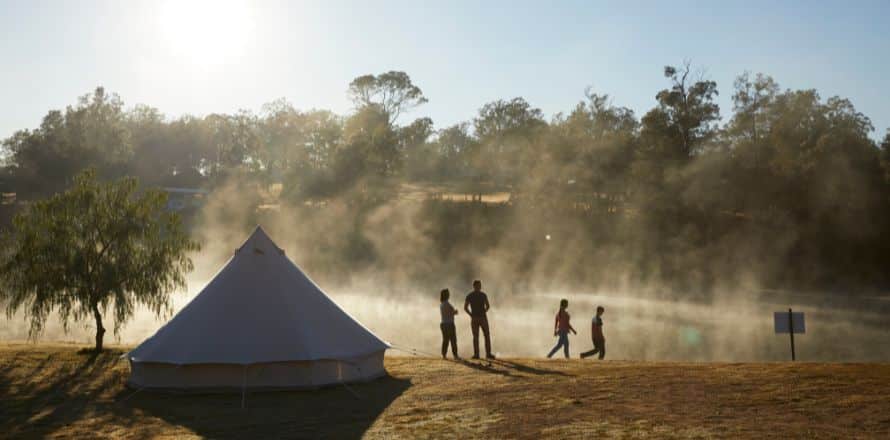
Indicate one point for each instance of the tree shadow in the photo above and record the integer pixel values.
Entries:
(330, 412)
(54, 392)
(81, 395)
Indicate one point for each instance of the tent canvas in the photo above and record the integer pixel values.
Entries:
(260, 323)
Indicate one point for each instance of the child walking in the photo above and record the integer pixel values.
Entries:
(596, 333)
(449, 333)
(562, 327)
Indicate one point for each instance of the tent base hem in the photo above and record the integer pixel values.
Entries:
(273, 376)
(249, 389)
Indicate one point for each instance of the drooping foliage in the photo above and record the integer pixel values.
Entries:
(95, 248)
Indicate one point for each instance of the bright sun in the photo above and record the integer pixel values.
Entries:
(205, 33)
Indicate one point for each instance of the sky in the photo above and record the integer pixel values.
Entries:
(199, 57)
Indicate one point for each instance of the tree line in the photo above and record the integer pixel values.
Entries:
(788, 187)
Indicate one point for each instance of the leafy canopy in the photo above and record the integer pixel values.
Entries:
(94, 247)
(392, 91)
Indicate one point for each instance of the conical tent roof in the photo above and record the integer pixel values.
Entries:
(259, 308)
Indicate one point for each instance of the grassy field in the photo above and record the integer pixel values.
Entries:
(61, 391)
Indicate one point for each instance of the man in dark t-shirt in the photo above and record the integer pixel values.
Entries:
(596, 333)
(476, 305)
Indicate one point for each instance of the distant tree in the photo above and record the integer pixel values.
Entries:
(152, 158)
(323, 134)
(686, 115)
(885, 157)
(419, 155)
(506, 131)
(94, 247)
(237, 141)
(283, 146)
(92, 133)
(592, 147)
(503, 119)
(751, 100)
(602, 119)
(168, 153)
(415, 133)
(311, 163)
(455, 149)
(370, 147)
(393, 91)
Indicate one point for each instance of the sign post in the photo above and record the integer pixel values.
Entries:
(791, 323)
(791, 326)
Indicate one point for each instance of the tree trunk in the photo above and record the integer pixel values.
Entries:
(100, 331)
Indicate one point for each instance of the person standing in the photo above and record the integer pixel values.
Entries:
(476, 305)
(596, 333)
(449, 333)
(561, 328)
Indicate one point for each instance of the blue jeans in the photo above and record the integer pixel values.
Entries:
(563, 342)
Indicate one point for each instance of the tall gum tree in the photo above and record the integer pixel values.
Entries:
(393, 91)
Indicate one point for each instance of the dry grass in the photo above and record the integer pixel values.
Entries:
(57, 391)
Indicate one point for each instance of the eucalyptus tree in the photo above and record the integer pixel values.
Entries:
(686, 116)
(393, 91)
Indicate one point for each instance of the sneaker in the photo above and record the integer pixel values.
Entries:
(489, 356)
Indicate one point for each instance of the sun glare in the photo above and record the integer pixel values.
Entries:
(205, 33)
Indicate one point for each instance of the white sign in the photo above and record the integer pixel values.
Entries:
(782, 322)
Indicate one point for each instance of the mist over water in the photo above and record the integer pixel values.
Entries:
(636, 328)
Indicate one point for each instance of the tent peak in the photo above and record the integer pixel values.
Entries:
(260, 242)
(259, 232)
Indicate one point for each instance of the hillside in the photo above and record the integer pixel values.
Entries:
(58, 391)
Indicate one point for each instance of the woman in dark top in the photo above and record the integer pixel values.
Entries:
(449, 333)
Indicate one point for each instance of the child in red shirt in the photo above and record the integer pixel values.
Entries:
(562, 327)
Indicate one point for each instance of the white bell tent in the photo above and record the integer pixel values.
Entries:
(260, 323)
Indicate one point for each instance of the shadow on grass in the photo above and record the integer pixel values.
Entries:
(491, 366)
(528, 369)
(44, 395)
(330, 412)
(484, 366)
(82, 395)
